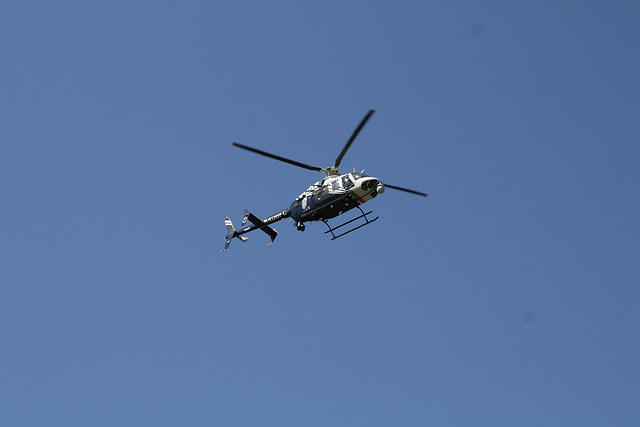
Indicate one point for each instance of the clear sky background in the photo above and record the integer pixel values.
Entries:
(509, 297)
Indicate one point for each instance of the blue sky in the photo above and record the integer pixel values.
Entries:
(509, 297)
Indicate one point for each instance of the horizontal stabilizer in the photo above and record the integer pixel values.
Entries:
(261, 225)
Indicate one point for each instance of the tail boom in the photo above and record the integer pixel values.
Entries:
(258, 224)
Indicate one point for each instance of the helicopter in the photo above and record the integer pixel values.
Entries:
(328, 198)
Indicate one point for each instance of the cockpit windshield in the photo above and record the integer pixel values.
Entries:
(346, 182)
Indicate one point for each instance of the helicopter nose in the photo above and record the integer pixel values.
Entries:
(369, 184)
(372, 187)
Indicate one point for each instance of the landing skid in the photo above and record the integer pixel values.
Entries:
(364, 215)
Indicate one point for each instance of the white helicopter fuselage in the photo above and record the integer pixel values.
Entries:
(334, 195)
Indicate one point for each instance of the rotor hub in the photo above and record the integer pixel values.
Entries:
(331, 171)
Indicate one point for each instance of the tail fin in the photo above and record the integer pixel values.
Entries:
(231, 233)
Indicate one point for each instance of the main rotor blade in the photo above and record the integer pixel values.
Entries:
(405, 189)
(282, 159)
(353, 137)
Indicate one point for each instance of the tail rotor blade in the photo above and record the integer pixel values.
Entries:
(282, 159)
(353, 137)
(406, 190)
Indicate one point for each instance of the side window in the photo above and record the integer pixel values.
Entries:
(346, 182)
(321, 192)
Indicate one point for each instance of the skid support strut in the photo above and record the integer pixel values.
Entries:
(364, 215)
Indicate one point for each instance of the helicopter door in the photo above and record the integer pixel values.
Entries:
(321, 192)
